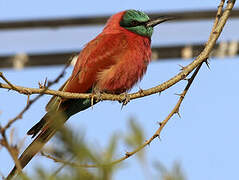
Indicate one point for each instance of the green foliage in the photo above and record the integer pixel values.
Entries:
(174, 174)
(76, 154)
(135, 137)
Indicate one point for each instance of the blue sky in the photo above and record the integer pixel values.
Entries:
(203, 141)
(44, 9)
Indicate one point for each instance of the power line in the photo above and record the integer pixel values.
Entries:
(223, 49)
(96, 20)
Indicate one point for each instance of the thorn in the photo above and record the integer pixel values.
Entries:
(141, 91)
(160, 123)
(186, 79)
(28, 99)
(181, 95)
(40, 85)
(45, 83)
(125, 100)
(182, 67)
(20, 117)
(122, 106)
(127, 154)
(159, 138)
(178, 114)
(184, 75)
(159, 93)
(218, 15)
(207, 63)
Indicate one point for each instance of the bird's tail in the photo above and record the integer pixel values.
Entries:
(37, 144)
(47, 127)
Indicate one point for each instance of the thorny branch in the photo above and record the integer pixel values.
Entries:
(12, 151)
(219, 23)
(157, 89)
(128, 154)
(4, 141)
(30, 102)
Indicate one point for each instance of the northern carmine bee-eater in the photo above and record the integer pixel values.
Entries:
(111, 63)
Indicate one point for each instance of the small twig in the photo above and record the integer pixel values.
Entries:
(59, 169)
(67, 162)
(8, 82)
(28, 99)
(30, 102)
(4, 143)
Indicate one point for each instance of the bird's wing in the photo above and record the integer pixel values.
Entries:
(100, 53)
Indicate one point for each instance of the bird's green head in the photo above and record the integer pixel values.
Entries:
(139, 22)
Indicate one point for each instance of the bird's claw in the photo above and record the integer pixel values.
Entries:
(125, 99)
(95, 97)
(98, 96)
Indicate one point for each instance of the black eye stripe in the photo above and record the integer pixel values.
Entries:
(135, 23)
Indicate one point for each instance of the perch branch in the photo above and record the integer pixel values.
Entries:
(219, 23)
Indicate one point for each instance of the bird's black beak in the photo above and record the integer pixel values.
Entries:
(154, 22)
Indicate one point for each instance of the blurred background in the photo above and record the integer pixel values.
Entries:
(37, 38)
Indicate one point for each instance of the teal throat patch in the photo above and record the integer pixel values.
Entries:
(135, 21)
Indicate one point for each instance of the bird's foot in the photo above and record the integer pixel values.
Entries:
(125, 99)
(96, 97)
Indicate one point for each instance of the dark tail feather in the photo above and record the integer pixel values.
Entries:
(33, 149)
(47, 127)
(37, 127)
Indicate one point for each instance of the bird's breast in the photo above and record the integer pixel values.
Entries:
(129, 69)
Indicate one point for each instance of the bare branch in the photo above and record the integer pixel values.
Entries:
(4, 142)
(217, 27)
(13, 87)
(30, 102)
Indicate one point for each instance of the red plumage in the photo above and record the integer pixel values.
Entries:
(112, 62)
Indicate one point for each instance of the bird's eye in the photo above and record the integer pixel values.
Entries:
(134, 23)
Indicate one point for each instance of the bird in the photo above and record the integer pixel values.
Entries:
(113, 62)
